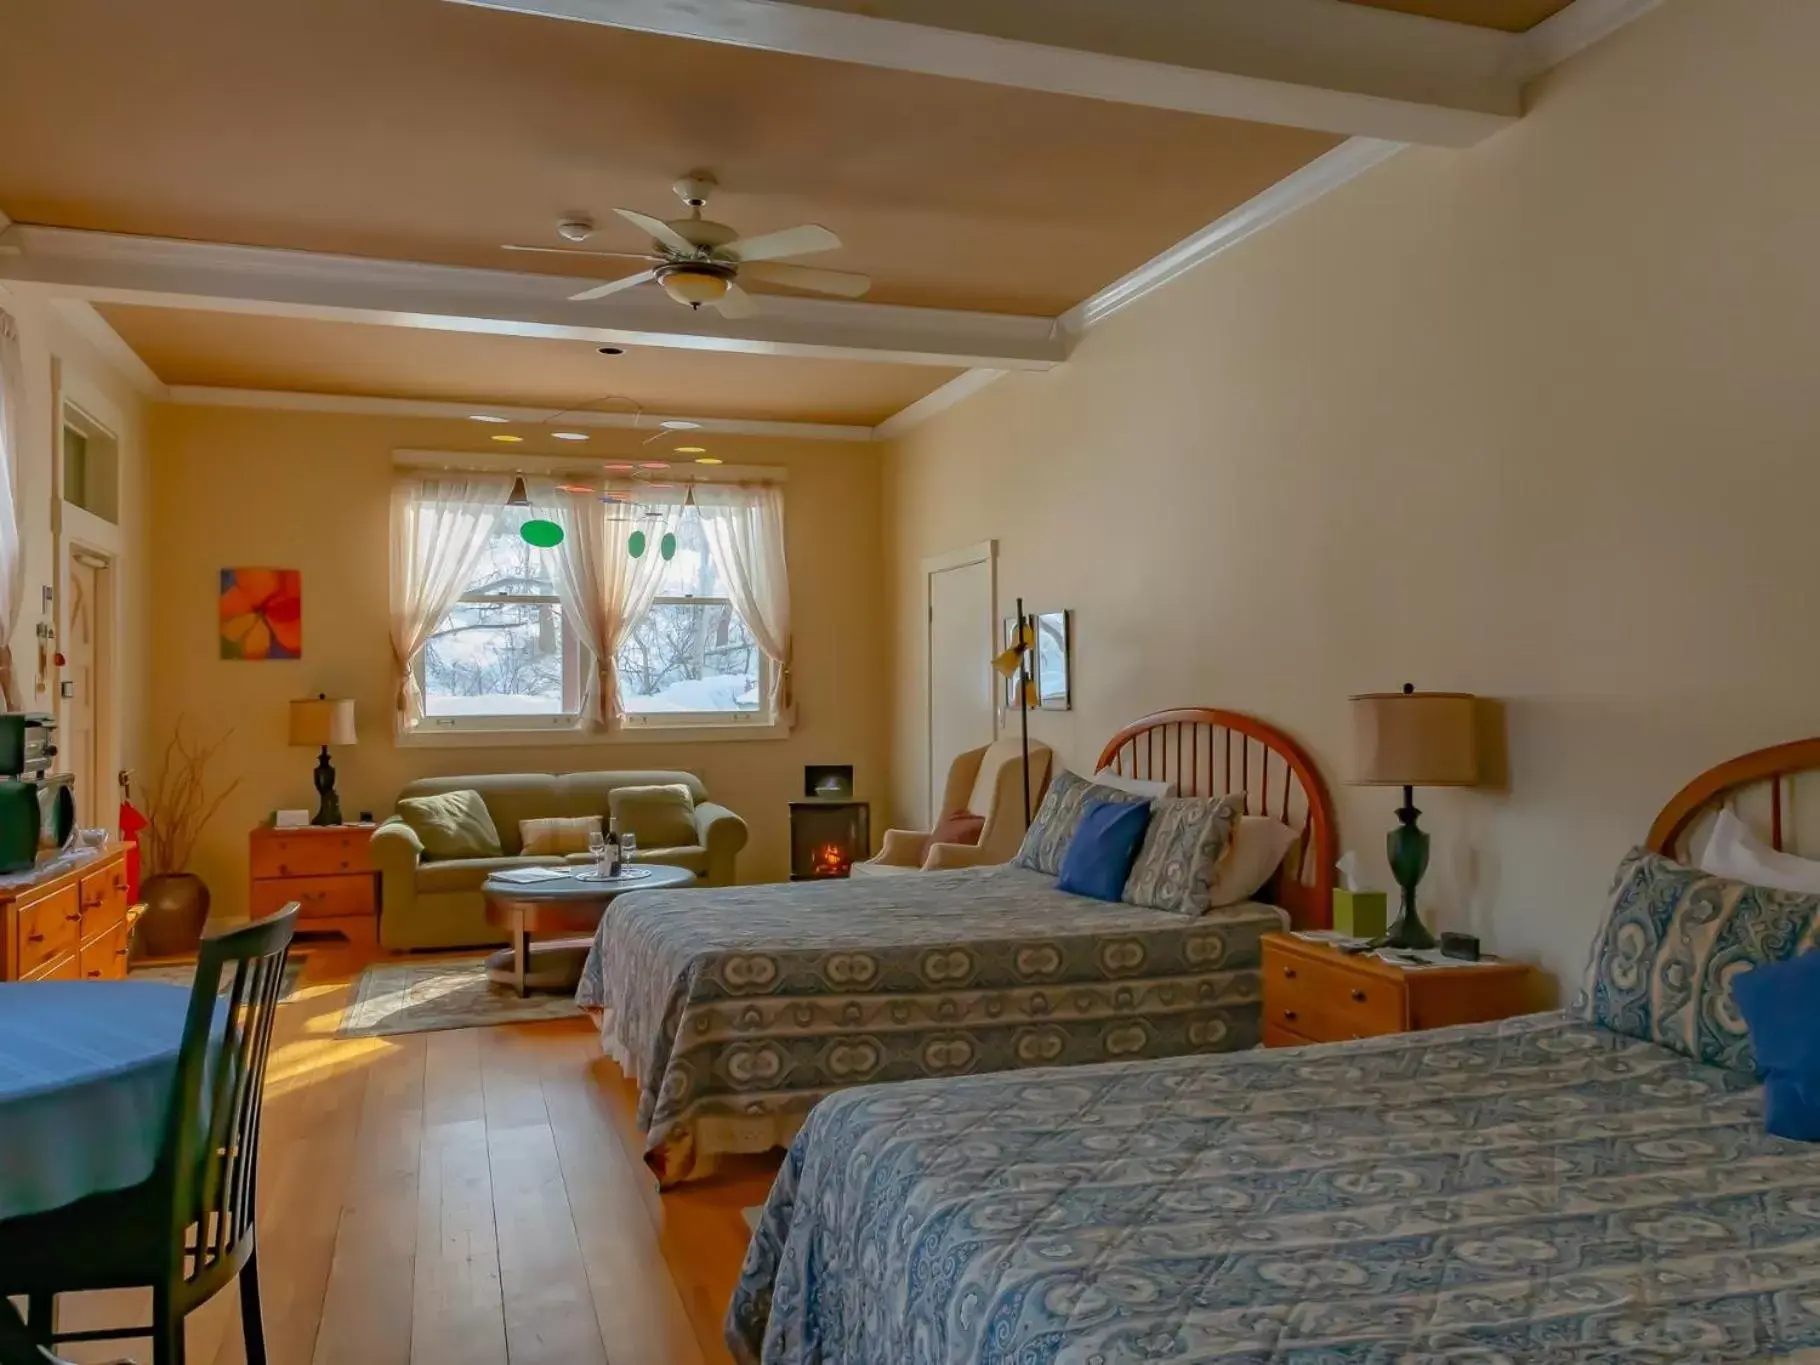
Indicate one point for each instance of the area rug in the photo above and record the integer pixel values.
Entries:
(184, 974)
(424, 997)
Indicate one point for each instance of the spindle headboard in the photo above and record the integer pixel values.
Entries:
(1776, 766)
(1218, 753)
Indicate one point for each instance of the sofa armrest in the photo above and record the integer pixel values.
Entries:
(723, 834)
(946, 857)
(903, 848)
(396, 849)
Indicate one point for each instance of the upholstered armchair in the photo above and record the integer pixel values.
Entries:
(987, 783)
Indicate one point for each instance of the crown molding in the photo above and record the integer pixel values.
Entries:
(275, 400)
(1319, 64)
(107, 267)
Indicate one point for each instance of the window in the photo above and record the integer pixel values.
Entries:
(502, 652)
(690, 658)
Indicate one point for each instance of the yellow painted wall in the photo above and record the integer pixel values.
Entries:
(310, 491)
(1540, 420)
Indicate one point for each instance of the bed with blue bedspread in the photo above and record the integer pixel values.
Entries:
(1536, 1190)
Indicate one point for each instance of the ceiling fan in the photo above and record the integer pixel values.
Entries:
(700, 262)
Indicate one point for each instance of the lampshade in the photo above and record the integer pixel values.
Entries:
(1012, 659)
(322, 720)
(1415, 739)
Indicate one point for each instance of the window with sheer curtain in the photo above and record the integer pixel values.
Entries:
(494, 634)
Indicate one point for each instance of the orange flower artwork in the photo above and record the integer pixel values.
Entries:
(261, 614)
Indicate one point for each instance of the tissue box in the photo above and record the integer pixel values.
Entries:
(1360, 914)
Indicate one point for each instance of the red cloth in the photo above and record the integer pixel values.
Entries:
(962, 827)
(131, 823)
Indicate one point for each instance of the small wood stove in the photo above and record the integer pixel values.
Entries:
(827, 838)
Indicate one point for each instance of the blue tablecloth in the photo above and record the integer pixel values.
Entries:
(86, 1072)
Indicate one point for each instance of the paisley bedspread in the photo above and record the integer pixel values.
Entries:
(1532, 1192)
(737, 1008)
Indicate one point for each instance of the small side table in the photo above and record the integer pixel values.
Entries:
(327, 869)
(1314, 993)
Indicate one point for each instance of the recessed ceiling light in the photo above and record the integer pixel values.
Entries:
(508, 438)
(677, 424)
(611, 350)
(691, 450)
(655, 464)
(708, 459)
(570, 435)
(486, 417)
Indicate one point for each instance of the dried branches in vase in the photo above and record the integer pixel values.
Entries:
(178, 808)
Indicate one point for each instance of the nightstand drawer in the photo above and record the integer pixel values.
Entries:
(1329, 1000)
(312, 853)
(316, 897)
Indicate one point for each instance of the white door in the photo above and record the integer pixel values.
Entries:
(961, 713)
(79, 738)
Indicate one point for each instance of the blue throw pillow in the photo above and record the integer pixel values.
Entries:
(1104, 846)
(1777, 1002)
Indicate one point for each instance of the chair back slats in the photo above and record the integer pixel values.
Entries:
(212, 1135)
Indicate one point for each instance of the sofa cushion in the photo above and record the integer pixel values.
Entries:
(453, 824)
(591, 793)
(559, 834)
(509, 797)
(660, 817)
(466, 874)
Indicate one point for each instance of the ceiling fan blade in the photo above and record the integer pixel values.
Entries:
(797, 241)
(659, 230)
(842, 282)
(737, 303)
(579, 251)
(600, 291)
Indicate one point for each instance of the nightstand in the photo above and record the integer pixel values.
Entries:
(327, 869)
(1314, 993)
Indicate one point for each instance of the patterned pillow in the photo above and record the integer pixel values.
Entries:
(1046, 842)
(1674, 937)
(1182, 848)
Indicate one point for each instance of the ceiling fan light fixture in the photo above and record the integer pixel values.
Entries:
(695, 285)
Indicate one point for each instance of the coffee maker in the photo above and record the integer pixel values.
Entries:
(37, 806)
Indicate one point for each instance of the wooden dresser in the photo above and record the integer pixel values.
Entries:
(1314, 993)
(326, 869)
(68, 928)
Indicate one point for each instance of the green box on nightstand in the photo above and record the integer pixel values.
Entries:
(1359, 914)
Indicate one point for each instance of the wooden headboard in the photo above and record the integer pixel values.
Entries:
(1218, 753)
(1774, 766)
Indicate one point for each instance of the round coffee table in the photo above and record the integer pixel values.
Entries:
(570, 905)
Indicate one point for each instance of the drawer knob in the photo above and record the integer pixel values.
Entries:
(1289, 1014)
(34, 938)
(1289, 973)
(1359, 996)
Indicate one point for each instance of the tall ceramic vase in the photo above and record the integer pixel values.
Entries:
(176, 911)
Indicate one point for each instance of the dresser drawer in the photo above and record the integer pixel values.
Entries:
(65, 968)
(317, 897)
(301, 853)
(1327, 1001)
(48, 927)
(102, 898)
(103, 958)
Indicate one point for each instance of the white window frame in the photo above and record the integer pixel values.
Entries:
(708, 720)
(574, 660)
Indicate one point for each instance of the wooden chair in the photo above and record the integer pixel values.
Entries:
(188, 1229)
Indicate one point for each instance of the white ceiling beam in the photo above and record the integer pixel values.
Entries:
(103, 267)
(1319, 64)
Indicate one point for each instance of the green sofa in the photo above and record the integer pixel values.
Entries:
(429, 903)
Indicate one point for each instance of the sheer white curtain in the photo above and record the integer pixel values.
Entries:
(604, 590)
(440, 527)
(744, 527)
(12, 432)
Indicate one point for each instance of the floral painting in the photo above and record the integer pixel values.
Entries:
(261, 614)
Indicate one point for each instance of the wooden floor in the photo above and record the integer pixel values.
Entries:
(462, 1198)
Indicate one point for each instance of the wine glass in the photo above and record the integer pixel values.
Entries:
(628, 847)
(597, 845)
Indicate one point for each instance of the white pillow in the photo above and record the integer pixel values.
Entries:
(1259, 845)
(1733, 851)
(1150, 791)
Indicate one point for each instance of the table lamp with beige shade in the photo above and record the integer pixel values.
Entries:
(1413, 739)
(323, 720)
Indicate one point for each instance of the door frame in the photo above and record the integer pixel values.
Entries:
(985, 552)
(107, 654)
